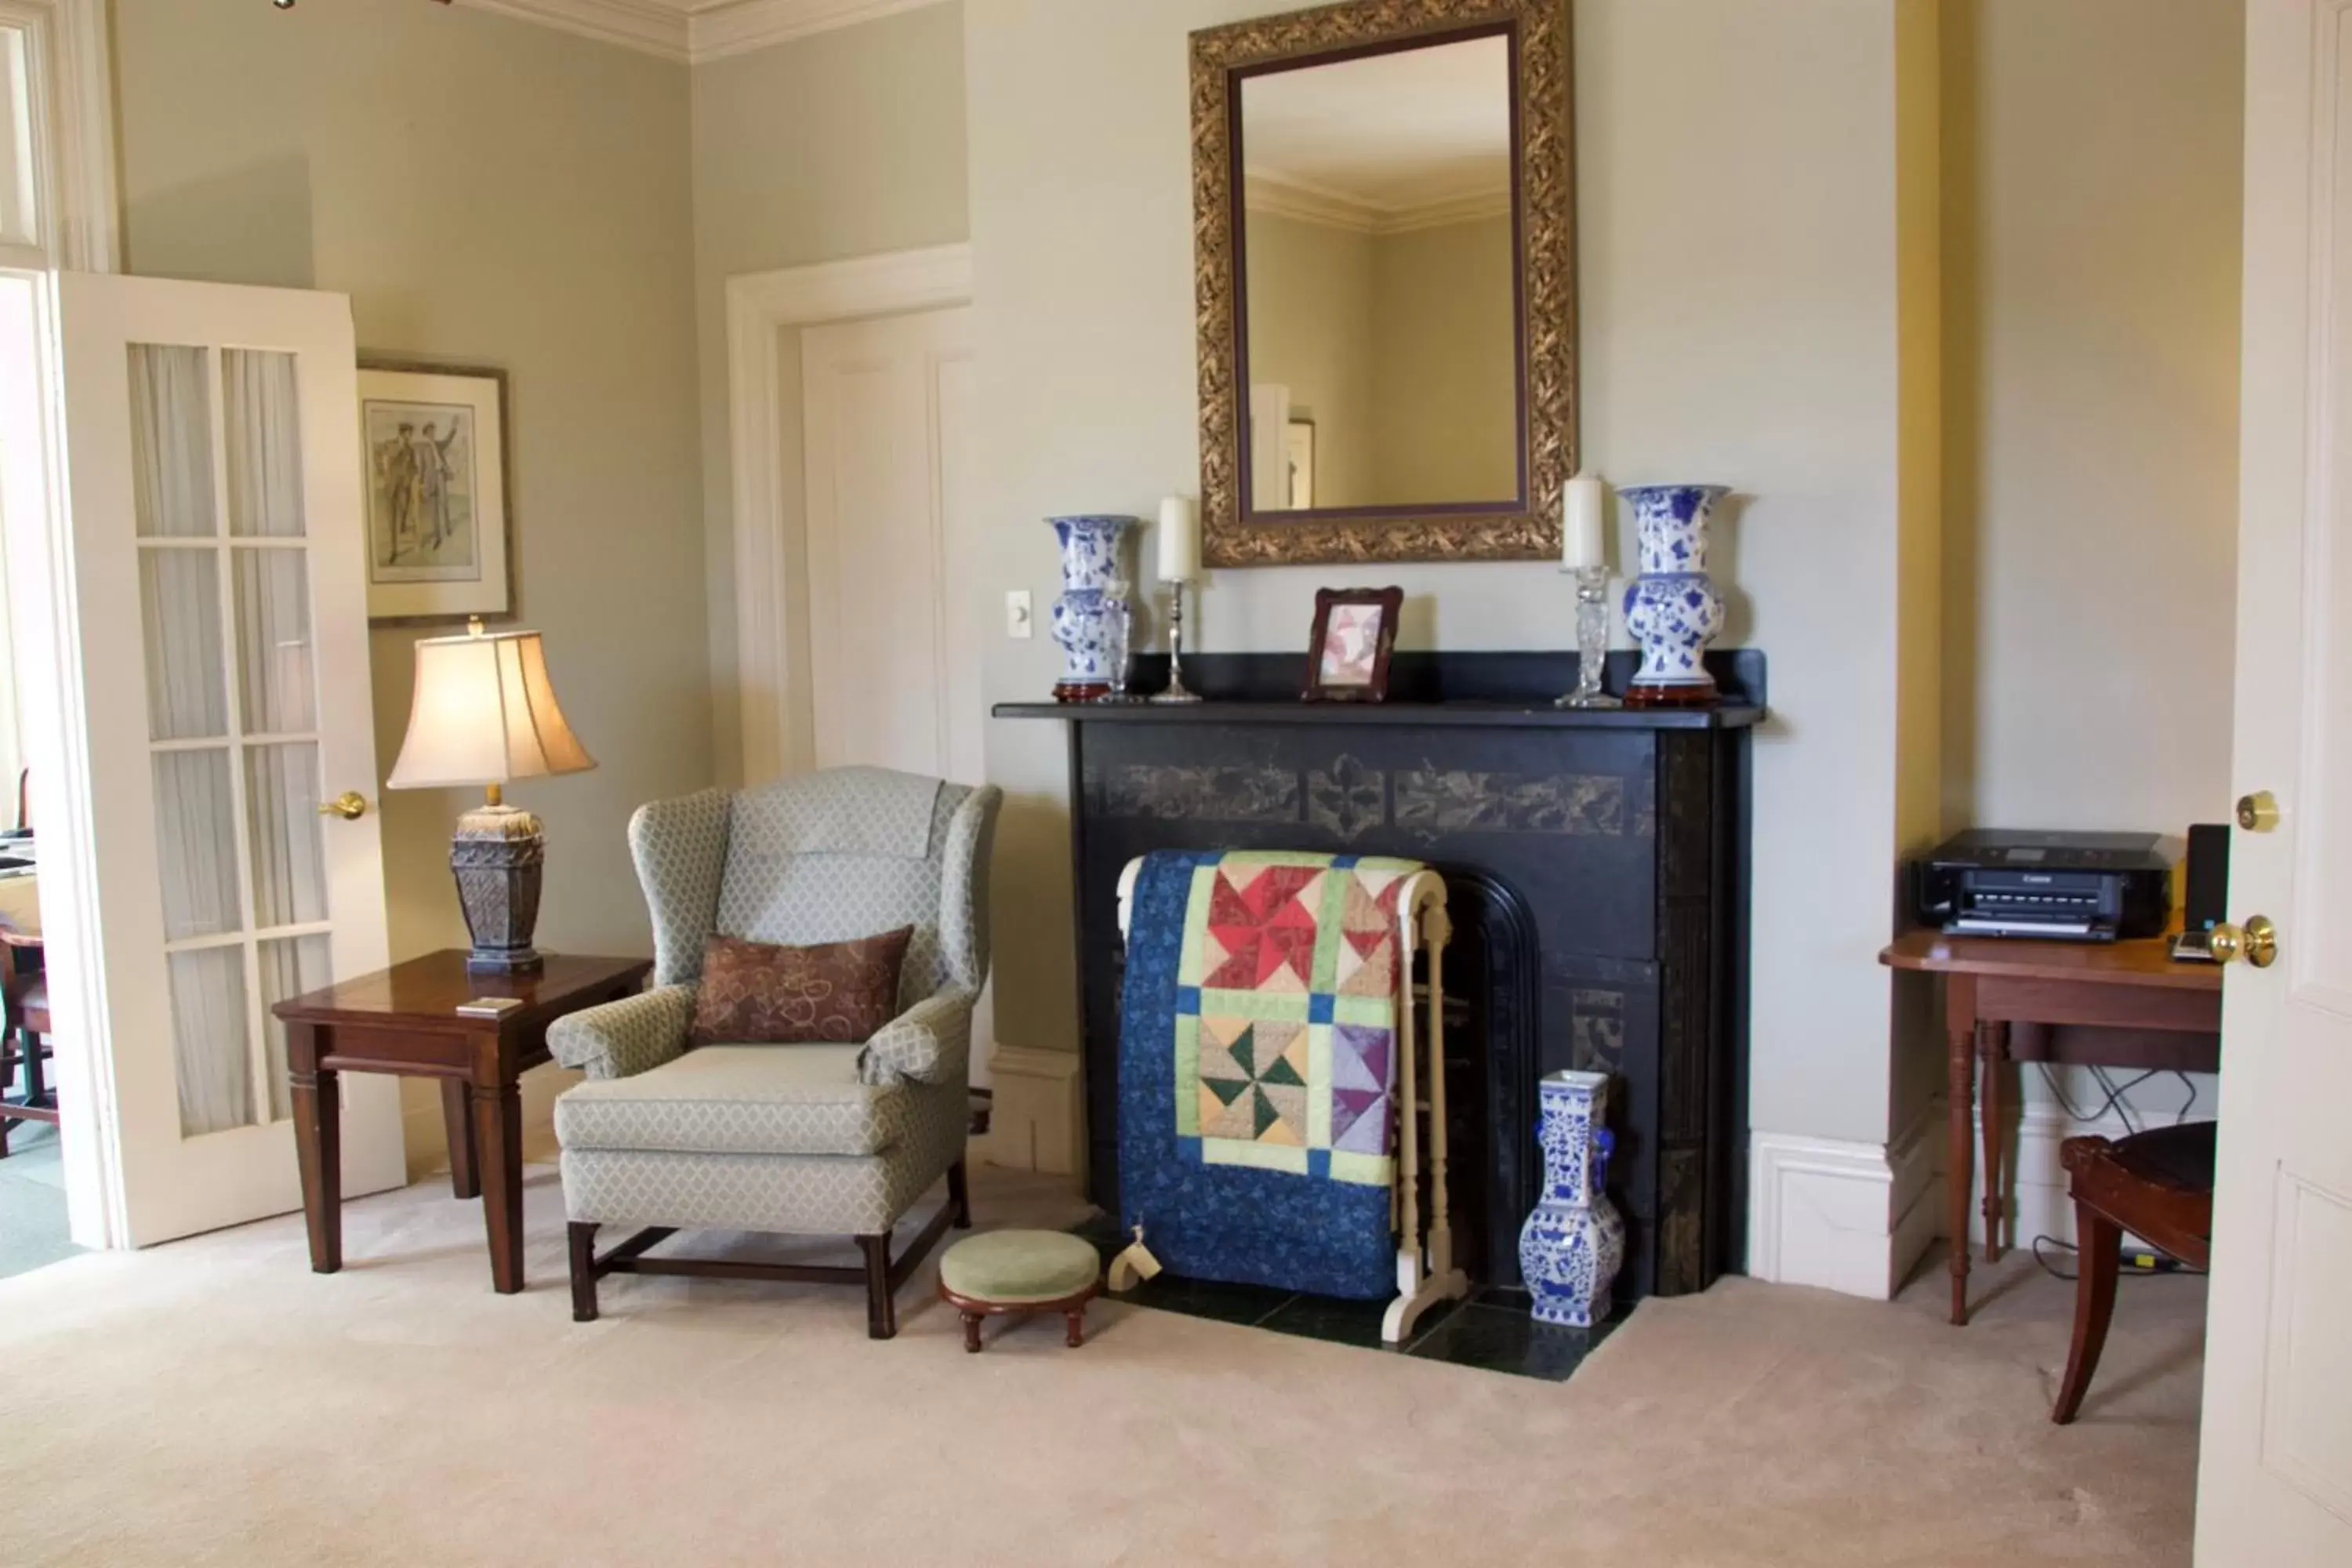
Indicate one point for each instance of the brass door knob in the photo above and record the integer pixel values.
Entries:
(2256, 942)
(2258, 811)
(351, 805)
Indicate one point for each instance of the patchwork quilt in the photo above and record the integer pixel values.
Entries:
(1258, 1067)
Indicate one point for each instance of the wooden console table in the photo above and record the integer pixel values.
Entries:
(2006, 1000)
(403, 1021)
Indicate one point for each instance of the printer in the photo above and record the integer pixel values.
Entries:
(2076, 887)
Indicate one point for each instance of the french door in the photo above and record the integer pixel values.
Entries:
(217, 612)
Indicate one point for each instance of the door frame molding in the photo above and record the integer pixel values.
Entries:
(764, 404)
(72, 87)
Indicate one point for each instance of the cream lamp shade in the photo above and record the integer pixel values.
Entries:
(484, 714)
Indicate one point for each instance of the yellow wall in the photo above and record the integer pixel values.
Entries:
(1310, 326)
(1446, 366)
(487, 192)
(2093, 177)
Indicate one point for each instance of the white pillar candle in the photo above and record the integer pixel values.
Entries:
(1180, 540)
(1584, 524)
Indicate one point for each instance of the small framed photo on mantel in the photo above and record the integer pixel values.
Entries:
(1355, 632)
(433, 443)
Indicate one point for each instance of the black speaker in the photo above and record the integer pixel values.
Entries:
(2206, 902)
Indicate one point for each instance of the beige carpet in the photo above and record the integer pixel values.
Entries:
(212, 1402)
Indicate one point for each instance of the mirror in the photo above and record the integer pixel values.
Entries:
(1378, 291)
(1386, 288)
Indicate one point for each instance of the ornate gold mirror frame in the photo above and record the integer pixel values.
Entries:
(1544, 176)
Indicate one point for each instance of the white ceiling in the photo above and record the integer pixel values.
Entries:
(1391, 134)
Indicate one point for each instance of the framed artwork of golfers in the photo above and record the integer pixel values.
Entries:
(434, 444)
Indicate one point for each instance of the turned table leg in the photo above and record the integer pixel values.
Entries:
(317, 1143)
(972, 1332)
(1992, 1047)
(1960, 1061)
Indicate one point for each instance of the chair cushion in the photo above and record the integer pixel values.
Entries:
(756, 992)
(1005, 1268)
(738, 1099)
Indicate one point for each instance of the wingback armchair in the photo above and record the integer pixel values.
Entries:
(803, 1139)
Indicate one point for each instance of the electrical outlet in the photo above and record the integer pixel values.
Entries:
(1018, 621)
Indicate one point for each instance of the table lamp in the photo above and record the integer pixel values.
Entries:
(484, 714)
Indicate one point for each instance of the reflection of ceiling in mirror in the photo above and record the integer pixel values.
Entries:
(1389, 142)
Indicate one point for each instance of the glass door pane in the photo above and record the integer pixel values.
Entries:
(232, 715)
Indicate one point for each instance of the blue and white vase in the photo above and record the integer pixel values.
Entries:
(1673, 609)
(1089, 621)
(1574, 1241)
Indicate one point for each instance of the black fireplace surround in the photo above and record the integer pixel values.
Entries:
(1596, 867)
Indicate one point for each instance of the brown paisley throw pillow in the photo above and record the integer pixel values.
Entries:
(842, 992)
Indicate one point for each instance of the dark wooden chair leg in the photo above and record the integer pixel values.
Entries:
(960, 1194)
(1077, 1316)
(972, 1332)
(2101, 1260)
(881, 1306)
(583, 1271)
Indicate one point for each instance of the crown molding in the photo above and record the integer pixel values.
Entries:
(649, 26)
(1281, 197)
(696, 31)
(719, 29)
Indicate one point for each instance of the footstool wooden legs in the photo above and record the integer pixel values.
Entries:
(1022, 1272)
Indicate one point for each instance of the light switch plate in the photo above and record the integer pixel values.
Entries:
(1018, 621)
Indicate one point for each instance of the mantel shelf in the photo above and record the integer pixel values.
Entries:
(1487, 715)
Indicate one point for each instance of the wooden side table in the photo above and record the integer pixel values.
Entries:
(2011, 999)
(405, 1021)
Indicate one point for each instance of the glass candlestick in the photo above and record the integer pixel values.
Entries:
(1176, 692)
(1119, 642)
(1591, 641)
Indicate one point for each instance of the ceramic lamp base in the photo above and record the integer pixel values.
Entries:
(497, 857)
(1692, 695)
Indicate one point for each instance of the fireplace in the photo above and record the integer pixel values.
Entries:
(1595, 866)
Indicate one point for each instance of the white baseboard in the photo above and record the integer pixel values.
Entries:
(1846, 1216)
(1037, 1119)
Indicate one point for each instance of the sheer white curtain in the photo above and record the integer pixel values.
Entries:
(276, 686)
(187, 704)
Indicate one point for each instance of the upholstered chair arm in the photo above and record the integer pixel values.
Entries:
(928, 1043)
(623, 1038)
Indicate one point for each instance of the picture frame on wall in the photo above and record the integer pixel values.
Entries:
(1355, 634)
(439, 518)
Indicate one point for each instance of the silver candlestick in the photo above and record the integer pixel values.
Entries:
(1176, 692)
(1591, 641)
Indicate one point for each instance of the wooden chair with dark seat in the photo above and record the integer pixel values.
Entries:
(2158, 1184)
(24, 1036)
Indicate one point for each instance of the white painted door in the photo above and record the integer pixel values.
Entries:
(894, 645)
(217, 609)
(894, 664)
(2274, 1483)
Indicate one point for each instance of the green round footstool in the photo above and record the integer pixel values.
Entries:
(1019, 1271)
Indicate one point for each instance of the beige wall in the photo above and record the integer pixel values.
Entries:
(2091, 409)
(487, 192)
(1739, 302)
(1446, 366)
(1310, 324)
(2091, 261)
(845, 143)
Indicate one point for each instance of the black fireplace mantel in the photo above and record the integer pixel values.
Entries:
(1598, 861)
